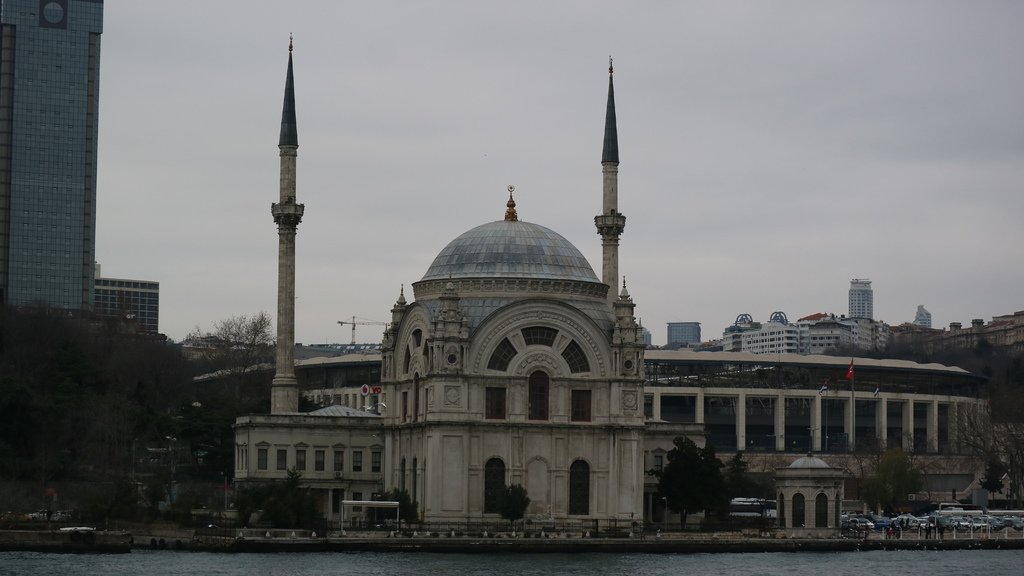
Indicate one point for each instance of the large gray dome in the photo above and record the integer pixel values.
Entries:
(511, 249)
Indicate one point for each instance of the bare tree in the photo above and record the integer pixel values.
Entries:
(995, 431)
(236, 349)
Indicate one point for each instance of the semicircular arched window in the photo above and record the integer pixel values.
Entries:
(579, 488)
(821, 511)
(799, 516)
(575, 358)
(502, 356)
(494, 485)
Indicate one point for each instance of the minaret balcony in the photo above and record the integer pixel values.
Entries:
(610, 224)
(287, 214)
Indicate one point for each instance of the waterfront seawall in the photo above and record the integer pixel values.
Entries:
(75, 541)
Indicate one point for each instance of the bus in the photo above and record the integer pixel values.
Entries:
(752, 508)
(958, 509)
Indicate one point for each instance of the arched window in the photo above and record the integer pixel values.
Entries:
(406, 360)
(799, 519)
(494, 485)
(417, 337)
(539, 383)
(821, 511)
(502, 355)
(575, 358)
(579, 488)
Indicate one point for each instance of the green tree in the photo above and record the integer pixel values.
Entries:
(737, 482)
(994, 472)
(285, 504)
(513, 502)
(408, 510)
(894, 478)
(691, 480)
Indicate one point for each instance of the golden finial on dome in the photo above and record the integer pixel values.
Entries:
(510, 212)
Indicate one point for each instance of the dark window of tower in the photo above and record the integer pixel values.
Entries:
(539, 335)
(417, 338)
(494, 485)
(580, 406)
(579, 488)
(538, 396)
(495, 403)
(408, 358)
(502, 355)
(575, 357)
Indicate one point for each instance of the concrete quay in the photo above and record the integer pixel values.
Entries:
(68, 540)
(284, 541)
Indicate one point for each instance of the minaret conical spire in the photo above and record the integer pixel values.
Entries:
(611, 136)
(289, 131)
(610, 223)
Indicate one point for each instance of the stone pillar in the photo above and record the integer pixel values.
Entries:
(699, 406)
(656, 405)
(932, 427)
(779, 429)
(908, 425)
(954, 428)
(741, 422)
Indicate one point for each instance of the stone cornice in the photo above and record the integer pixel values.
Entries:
(511, 287)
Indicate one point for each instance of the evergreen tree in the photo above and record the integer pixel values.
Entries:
(691, 481)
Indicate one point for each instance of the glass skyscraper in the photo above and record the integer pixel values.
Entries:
(49, 104)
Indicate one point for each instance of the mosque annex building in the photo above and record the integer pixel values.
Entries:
(514, 363)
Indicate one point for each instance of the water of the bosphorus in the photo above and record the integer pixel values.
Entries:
(168, 563)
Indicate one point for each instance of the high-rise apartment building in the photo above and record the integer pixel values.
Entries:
(923, 317)
(862, 299)
(49, 104)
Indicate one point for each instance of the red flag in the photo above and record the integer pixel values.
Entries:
(849, 371)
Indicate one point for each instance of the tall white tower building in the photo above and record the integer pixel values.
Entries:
(923, 317)
(862, 299)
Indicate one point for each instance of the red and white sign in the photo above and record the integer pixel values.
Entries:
(365, 390)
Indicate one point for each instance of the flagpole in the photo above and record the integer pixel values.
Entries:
(853, 407)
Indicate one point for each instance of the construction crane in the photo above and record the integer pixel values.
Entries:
(357, 321)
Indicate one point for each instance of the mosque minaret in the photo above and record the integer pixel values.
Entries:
(287, 214)
(610, 223)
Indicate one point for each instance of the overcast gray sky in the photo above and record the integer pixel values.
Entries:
(770, 151)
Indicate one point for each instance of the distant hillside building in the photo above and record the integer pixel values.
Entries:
(862, 299)
(127, 299)
(1005, 331)
(923, 317)
(683, 334)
